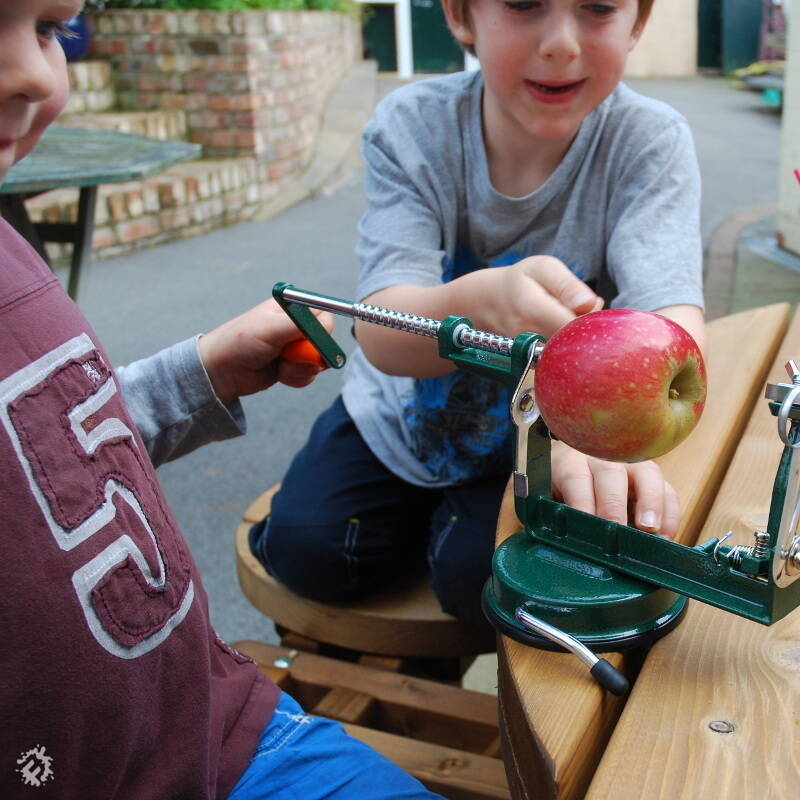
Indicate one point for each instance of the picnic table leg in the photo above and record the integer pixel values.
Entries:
(12, 207)
(82, 241)
(78, 234)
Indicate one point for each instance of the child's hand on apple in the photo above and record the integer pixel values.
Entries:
(632, 494)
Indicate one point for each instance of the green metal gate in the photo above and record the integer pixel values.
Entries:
(435, 49)
(378, 34)
(741, 23)
(709, 34)
(728, 33)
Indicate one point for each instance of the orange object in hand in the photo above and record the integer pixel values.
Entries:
(301, 351)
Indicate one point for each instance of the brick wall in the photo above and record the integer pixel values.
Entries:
(251, 83)
(90, 87)
(250, 87)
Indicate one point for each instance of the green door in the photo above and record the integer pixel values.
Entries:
(378, 34)
(435, 49)
(728, 33)
(741, 23)
(709, 34)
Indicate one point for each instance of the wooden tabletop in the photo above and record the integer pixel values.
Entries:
(89, 157)
(715, 707)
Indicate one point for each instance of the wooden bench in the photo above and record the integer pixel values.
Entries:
(405, 621)
(445, 736)
(563, 737)
(360, 663)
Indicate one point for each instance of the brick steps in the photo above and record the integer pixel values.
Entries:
(253, 88)
(184, 201)
(90, 87)
(164, 124)
(92, 105)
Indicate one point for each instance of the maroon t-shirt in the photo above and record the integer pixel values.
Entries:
(113, 683)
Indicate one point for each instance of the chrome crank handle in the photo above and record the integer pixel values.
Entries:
(608, 676)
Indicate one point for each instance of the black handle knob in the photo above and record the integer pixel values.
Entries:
(610, 677)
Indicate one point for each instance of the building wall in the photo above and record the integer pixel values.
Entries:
(668, 47)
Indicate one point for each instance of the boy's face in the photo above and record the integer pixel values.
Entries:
(33, 72)
(546, 63)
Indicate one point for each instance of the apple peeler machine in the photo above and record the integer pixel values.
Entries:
(573, 581)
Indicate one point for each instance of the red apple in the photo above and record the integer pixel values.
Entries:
(622, 385)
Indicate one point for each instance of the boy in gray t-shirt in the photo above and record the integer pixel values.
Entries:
(516, 196)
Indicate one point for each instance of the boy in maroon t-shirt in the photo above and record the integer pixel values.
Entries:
(114, 684)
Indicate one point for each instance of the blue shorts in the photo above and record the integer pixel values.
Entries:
(300, 757)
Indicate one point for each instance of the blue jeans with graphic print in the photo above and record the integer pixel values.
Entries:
(343, 525)
(310, 758)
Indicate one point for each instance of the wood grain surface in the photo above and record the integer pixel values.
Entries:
(444, 735)
(557, 720)
(716, 709)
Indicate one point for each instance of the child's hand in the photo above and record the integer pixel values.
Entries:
(242, 356)
(633, 494)
(538, 294)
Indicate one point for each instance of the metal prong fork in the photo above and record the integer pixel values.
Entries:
(786, 406)
(524, 412)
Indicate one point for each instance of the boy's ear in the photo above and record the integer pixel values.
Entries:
(458, 24)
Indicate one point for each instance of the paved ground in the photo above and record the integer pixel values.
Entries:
(146, 300)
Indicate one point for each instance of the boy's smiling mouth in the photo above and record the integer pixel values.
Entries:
(554, 91)
(556, 87)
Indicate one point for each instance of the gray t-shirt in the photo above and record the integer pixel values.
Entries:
(621, 210)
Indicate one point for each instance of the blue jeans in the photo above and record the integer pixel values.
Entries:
(310, 758)
(343, 525)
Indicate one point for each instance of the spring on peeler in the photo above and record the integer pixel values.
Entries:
(399, 320)
(759, 550)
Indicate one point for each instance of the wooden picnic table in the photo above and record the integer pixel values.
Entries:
(715, 705)
(83, 158)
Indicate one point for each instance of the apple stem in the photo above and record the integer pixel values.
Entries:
(674, 394)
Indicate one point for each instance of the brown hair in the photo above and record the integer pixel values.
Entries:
(461, 12)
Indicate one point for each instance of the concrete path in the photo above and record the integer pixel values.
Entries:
(143, 301)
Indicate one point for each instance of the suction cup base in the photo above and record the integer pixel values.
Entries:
(603, 609)
(614, 644)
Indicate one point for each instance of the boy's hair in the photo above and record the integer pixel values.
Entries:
(461, 10)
